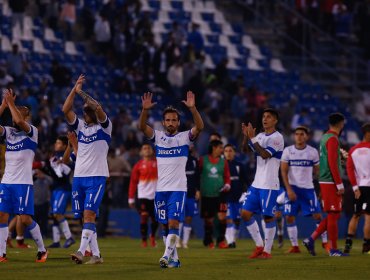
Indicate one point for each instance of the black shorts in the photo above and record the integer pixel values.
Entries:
(209, 206)
(362, 205)
(146, 205)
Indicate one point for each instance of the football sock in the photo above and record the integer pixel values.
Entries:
(254, 231)
(164, 235)
(263, 225)
(293, 233)
(322, 227)
(87, 233)
(349, 239)
(208, 233)
(36, 235)
(153, 228)
(144, 231)
(94, 245)
(3, 237)
(172, 238)
(229, 235)
(280, 226)
(186, 233)
(65, 229)
(269, 236)
(222, 231)
(56, 232)
(324, 236)
(333, 229)
(236, 232)
(180, 229)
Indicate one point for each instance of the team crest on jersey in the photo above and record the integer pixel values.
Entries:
(160, 204)
(213, 170)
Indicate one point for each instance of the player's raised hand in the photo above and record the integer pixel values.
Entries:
(244, 129)
(190, 100)
(251, 131)
(146, 101)
(79, 82)
(9, 96)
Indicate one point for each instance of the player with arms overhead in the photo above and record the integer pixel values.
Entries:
(262, 194)
(16, 188)
(298, 163)
(91, 170)
(331, 186)
(172, 148)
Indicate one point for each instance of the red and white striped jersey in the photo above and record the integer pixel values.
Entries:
(358, 165)
(144, 177)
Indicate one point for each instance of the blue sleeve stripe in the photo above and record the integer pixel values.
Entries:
(272, 151)
(105, 123)
(277, 155)
(30, 134)
(74, 125)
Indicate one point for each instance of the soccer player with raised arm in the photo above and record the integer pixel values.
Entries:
(16, 188)
(91, 170)
(331, 186)
(172, 148)
(144, 177)
(358, 170)
(61, 194)
(298, 163)
(262, 194)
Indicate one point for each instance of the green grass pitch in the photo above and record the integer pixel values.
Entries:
(125, 259)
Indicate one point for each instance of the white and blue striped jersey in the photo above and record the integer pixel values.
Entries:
(172, 154)
(19, 155)
(93, 145)
(267, 172)
(301, 164)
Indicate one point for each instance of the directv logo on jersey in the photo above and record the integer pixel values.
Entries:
(88, 139)
(11, 147)
(169, 152)
(300, 163)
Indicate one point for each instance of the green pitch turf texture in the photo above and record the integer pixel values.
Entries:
(125, 259)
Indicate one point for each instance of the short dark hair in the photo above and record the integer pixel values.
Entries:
(365, 128)
(231, 146)
(215, 133)
(336, 118)
(213, 144)
(272, 112)
(63, 138)
(170, 109)
(303, 128)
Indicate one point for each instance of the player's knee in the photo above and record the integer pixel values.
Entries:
(89, 216)
(188, 220)
(278, 214)
(246, 215)
(173, 224)
(26, 219)
(268, 219)
(58, 217)
(221, 217)
(317, 216)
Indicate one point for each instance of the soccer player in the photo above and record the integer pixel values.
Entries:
(331, 186)
(172, 148)
(91, 170)
(298, 163)
(214, 179)
(238, 181)
(144, 177)
(61, 194)
(192, 196)
(262, 194)
(16, 190)
(358, 170)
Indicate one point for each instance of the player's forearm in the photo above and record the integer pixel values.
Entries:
(67, 155)
(68, 104)
(100, 114)
(143, 119)
(199, 125)
(17, 118)
(351, 173)
(261, 151)
(2, 109)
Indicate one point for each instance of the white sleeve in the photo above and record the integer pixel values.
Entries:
(285, 156)
(315, 157)
(275, 145)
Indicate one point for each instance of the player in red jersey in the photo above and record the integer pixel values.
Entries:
(144, 178)
(331, 186)
(358, 170)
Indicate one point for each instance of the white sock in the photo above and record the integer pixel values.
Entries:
(269, 236)
(4, 232)
(280, 231)
(37, 237)
(324, 236)
(164, 238)
(263, 225)
(19, 237)
(254, 231)
(56, 234)
(170, 244)
(181, 225)
(94, 245)
(293, 234)
(229, 234)
(87, 233)
(186, 234)
(175, 255)
(65, 229)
